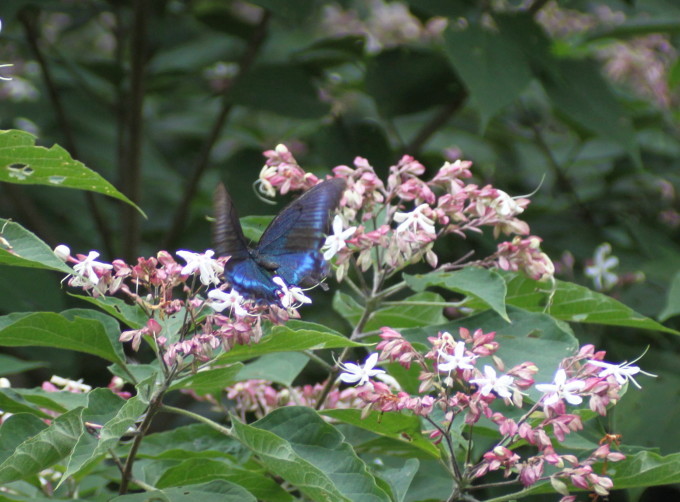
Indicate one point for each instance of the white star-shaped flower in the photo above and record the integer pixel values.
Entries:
(291, 297)
(457, 360)
(336, 241)
(86, 269)
(360, 375)
(220, 300)
(601, 269)
(208, 267)
(415, 220)
(622, 372)
(501, 385)
(561, 389)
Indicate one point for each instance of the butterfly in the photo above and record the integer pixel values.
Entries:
(289, 247)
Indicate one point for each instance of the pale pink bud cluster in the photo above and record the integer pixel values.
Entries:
(412, 214)
(525, 255)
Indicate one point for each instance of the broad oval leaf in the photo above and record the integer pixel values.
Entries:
(77, 329)
(296, 444)
(22, 162)
(486, 286)
(574, 303)
(293, 336)
(21, 248)
(402, 426)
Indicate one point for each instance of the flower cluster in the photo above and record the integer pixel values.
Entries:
(168, 291)
(454, 380)
(391, 224)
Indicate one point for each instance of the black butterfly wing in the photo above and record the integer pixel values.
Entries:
(241, 271)
(290, 245)
(228, 235)
(288, 248)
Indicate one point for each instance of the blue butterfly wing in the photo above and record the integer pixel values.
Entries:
(288, 248)
(241, 271)
(290, 245)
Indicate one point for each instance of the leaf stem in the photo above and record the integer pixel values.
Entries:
(195, 416)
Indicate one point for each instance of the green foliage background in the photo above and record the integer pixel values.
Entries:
(130, 90)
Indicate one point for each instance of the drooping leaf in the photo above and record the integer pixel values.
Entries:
(493, 68)
(296, 444)
(115, 416)
(281, 368)
(21, 248)
(77, 329)
(293, 336)
(195, 440)
(486, 286)
(27, 164)
(203, 470)
(215, 491)
(401, 426)
(396, 78)
(42, 450)
(284, 89)
(574, 303)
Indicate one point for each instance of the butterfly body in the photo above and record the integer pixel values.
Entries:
(289, 247)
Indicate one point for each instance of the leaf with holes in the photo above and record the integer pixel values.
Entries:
(25, 163)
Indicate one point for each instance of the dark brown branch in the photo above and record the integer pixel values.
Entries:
(131, 167)
(29, 19)
(246, 61)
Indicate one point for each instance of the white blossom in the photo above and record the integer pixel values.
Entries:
(208, 267)
(336, 241)
(360, 375)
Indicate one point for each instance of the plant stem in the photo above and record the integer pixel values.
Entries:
(195, 416)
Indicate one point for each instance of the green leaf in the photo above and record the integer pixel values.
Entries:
(400, 479)
(396, 79)
(132, 315)
(115, 415)
(215, 491)
(59, 401)
(27, 164)
(17, 429)
(297, 445)
(329, 52)
(44, 449)
(408, 316)
(581, 94)
(400, 426)
(21, 248)
(493, 68)
(203, 470)
(395, 315)
(10, 365)
(293, 336)
(195, 440)
(284, 89)
(646, 468)
(212, 381)
(13, 402)
(574, 303)
(486, 286)
(282, 368)
(80, 330)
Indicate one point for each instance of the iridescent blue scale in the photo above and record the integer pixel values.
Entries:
(289, 247)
